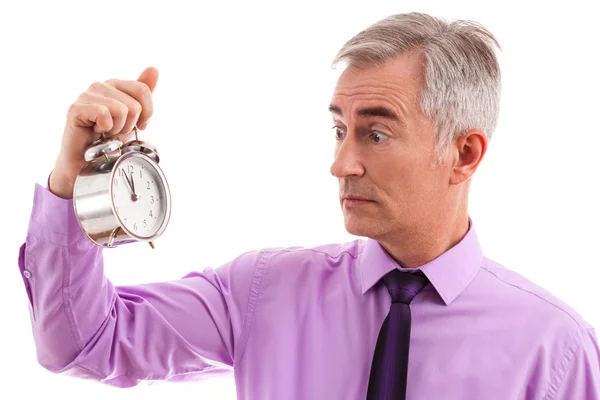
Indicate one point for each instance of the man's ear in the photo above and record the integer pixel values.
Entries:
(468, 149)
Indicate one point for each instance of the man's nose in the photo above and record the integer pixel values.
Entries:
(347, 160)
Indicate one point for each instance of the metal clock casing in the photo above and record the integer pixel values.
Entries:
(121, 195)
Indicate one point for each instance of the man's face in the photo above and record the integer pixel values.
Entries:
(385, 151)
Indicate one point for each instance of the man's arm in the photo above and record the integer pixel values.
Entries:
(84, 326)
(578, 375)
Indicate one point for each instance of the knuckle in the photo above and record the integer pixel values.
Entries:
(103, 110)
(123, 110)
(73, 109)
(96, 87)
(135, 109)
(85, 96)
(149, 113)
(142, 90)
(102, 115)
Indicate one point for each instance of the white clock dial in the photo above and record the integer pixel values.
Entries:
(140, 196)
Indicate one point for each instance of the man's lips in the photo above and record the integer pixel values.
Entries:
(352, 197)
(354, 201)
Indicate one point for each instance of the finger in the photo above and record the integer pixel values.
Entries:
(91, 115)
(134, 107)
(149, 76)
(119, 112)
(138, 91)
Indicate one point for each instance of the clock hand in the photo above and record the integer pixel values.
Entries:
(128, 183)
(132, 184)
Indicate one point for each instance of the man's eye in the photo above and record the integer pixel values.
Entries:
(339, 132)
(379, 137)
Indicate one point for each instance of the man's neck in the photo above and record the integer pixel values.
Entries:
(416, 248)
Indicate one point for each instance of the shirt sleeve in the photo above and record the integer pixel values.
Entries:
(578, 376)
(85, 326)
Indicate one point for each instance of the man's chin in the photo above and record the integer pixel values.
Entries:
(359, 228)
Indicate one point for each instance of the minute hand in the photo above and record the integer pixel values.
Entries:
(132, 183)
(129, 183)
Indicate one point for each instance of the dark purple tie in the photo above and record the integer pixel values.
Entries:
(390, 360)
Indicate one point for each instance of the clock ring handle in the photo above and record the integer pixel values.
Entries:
(102, 147)
(141, 146)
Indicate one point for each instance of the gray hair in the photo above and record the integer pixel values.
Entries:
(461, 73)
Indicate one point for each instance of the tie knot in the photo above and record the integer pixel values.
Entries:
(404, 286)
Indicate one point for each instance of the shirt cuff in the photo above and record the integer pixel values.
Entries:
(53, 218)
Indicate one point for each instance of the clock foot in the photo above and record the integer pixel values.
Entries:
(113, 236)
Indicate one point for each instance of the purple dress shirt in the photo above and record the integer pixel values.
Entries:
(301, 323)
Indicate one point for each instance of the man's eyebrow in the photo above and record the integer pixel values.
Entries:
(335, 109)
(369, 112)
(379, 112)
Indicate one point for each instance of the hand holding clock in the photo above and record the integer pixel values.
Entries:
(112, 107)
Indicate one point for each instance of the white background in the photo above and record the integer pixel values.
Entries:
(242, 126)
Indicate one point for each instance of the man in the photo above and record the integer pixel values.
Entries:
(415, 310)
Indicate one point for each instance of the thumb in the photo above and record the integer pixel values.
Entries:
(149, 77)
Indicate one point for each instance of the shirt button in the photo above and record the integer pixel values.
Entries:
(27, 274)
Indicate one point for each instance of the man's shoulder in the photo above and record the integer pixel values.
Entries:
(532, 298)
(291, 255)
(290, 262)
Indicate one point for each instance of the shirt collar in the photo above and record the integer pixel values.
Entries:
(449, 274)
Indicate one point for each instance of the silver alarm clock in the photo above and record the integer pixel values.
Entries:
(121, 195)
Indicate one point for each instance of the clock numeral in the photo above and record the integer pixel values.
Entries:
(147, 184)
(135, 227)
(150, 213)
(125, 221)
(140, 173)
(115, 182)
(130, 168)
(151, 199)
(145, 224)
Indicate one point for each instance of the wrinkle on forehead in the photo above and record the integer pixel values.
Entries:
(350, 103)
(396, 83)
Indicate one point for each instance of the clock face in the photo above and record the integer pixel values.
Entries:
(140, 196)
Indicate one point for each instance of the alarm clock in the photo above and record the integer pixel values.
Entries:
(121, 195)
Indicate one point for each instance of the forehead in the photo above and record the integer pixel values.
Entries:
(396, 84)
